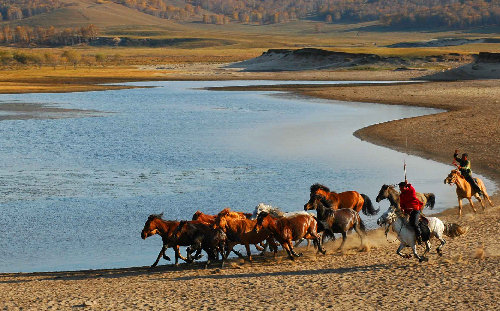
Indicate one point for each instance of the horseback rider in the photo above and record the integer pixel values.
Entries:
(465, 170)
(410, 205)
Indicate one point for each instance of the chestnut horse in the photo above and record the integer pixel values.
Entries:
(288, 229)
(156, 225)
(210, 219)
(240, 231)
(347, 199)
(465, 191)
(204, 218)
(342, 220)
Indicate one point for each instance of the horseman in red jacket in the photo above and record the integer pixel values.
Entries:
(410, 205)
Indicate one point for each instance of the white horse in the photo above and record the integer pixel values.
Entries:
(275, 211)
(406, 233)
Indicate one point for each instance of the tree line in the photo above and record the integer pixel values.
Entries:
(396, 13)
(67, 57)
(39, 36)
(18, 9)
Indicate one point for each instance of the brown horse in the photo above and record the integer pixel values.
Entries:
(288, 229)
(332, 221)
(156, 225)
(240, 231)
(465, 191)
(204, 218)
(347, 199)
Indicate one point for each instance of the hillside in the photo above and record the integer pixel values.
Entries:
(103, 14)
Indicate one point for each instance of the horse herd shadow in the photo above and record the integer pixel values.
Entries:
(158, 273)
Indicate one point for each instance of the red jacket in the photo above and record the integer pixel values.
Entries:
(408, 200)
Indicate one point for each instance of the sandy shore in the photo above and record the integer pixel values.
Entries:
(466, 277)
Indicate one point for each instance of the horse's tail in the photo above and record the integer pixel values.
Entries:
(368, 208)
(453, 230)
(362, 225)
(431, 200)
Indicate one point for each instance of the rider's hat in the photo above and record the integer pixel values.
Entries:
(402, 184)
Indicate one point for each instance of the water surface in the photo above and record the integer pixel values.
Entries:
(75, 192)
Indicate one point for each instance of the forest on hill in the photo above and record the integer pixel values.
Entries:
(396, 14)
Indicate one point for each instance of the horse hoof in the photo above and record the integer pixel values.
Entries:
(299, 255)
(423, 259)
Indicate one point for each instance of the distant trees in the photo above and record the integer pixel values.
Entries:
(54, 58)
(396, 13)
(17, 9)
(29, 36)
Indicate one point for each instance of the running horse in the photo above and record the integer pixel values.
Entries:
(342, 220)
(390, 193)
(348, 199)
(165, 228)
(288, 229)
(465, 191)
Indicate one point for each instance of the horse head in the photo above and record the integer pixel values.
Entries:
(150, 227)
(316, 200)
(319, 189)
(260, 221)
(383, 193)
(221, 219)
(452, 177)
(388, 217)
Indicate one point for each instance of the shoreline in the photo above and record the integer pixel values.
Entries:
(464, 278)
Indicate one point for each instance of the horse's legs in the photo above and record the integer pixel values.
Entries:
(357, 228)
(162, 252)
(290, 246)
(459, 207)
(414, 248)
(286, 247)
(438, 249)
(480, 201)
(486, 196)
(472, 204)
(247, 247)
(344, 238)
(427, 247)
(400, 248)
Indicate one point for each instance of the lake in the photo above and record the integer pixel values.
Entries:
(75, 192)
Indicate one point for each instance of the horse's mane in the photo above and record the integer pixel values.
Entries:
(155, 216)
(317, 187)
(273, 210)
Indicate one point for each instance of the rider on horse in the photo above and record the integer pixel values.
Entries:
(410, 205)
(465, 170)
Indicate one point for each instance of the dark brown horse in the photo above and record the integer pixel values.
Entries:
(200, 236)
(348, 199)
(240, 231)
(342, 220)
(390, 193)
(288, 229)
(156, 225)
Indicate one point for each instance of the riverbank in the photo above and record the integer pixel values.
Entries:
(466, 277)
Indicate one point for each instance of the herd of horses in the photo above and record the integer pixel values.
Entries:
(268, 226)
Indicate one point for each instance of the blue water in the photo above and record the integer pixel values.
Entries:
(75, 191)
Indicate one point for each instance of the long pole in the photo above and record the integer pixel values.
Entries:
(404, 160)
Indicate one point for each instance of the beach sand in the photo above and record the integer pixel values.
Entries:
(465, 278)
